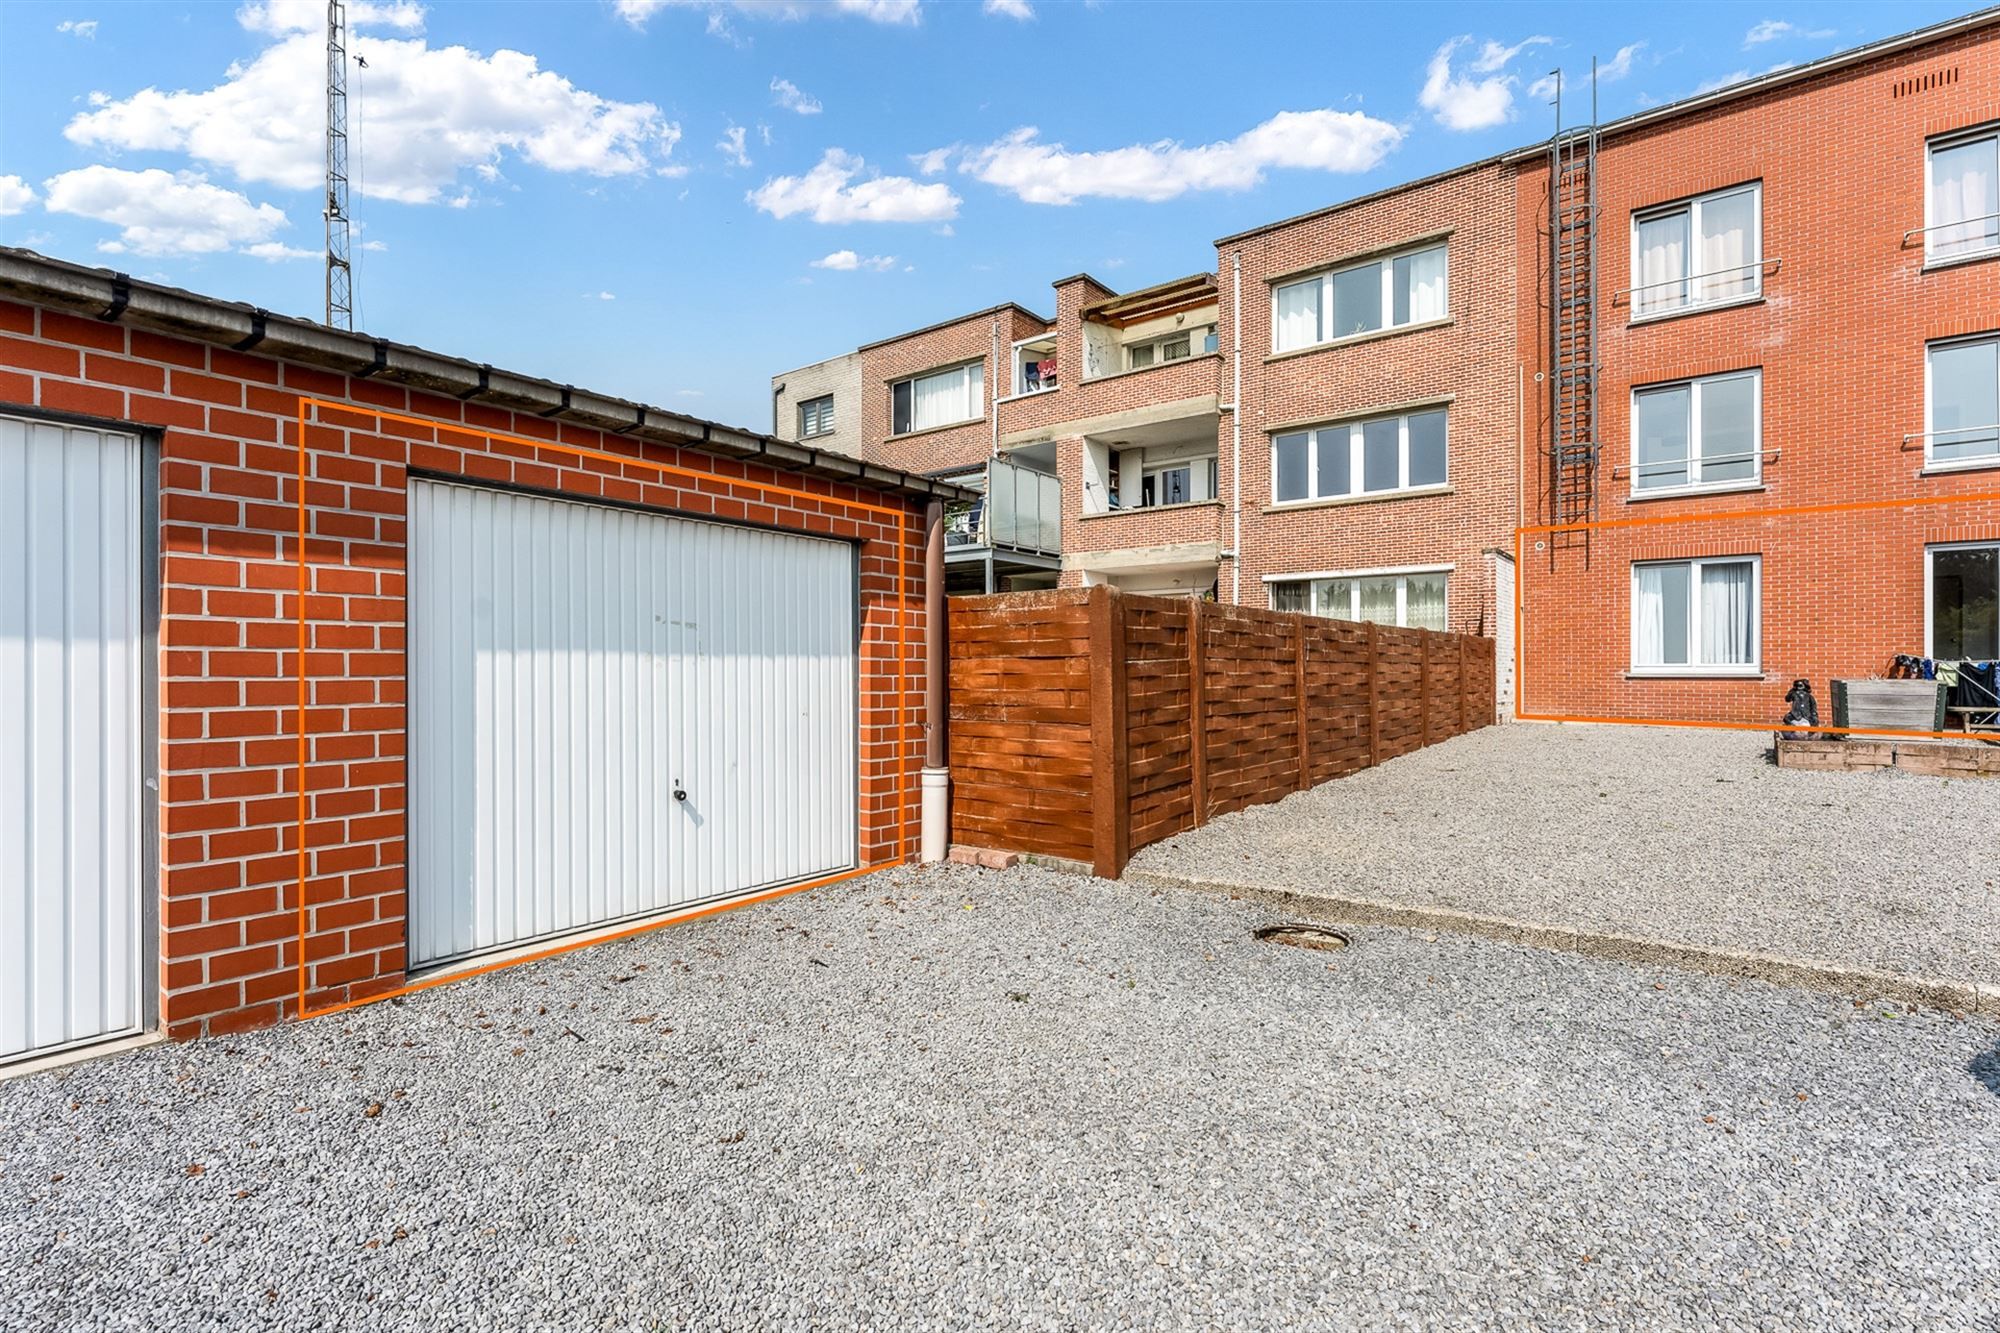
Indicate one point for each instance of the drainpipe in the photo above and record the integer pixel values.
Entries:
(936, 780)
(993, 395)
(1236, 431)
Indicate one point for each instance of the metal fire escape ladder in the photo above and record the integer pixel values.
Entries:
(1573, 355)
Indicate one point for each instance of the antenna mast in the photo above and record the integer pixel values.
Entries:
(339, 276)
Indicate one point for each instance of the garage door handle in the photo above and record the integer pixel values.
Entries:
(679, 795)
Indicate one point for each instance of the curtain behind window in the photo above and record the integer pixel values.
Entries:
(1728, 614)
(953, 396)
(1298, 315)
(1662, 259)
(1728, 245)
(1424, 602)
(1964, 196)
(1420, 286)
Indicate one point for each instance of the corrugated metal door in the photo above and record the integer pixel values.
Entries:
(75, 622)
(571, 667)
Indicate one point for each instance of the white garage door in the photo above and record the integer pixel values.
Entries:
(572, 667)
(75, 593)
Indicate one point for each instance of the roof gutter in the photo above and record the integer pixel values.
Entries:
(115, 298)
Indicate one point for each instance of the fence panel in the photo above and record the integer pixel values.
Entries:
(1086, 724)
(1020, 723)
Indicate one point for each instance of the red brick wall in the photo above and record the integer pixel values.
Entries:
(228, 517)
(969, 339)
(1471, 359)
(1839, 337)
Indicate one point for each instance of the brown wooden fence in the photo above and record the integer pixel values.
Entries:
(1076, 731)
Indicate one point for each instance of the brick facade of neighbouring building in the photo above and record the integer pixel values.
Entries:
(967, 341)
(1837, 338)
(1463, 363)
(1833, 345)
(226, 424)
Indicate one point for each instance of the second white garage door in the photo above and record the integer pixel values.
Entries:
(572, 668)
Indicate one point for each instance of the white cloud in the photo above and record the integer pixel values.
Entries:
(934, 161)
(431, 114)
(1770, 30)
(84, 28)
(730, 145)
(1609, 71)
(786, 94)
(373, 246)
(764, 133)
(600, 296)
(15, 196)
(167, 213)
(689, 393)
(1045, 173)
(1010, 9)
(830, 193)
(276, 251)
(637, 12)
(284, 17)
(1458, 101)
(846, 261)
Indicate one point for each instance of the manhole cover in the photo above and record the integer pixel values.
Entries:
(1301, 936)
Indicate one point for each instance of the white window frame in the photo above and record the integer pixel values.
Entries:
(1930, 567)
(1325, 281)
(1401, 573)
(1157, 343)
(1956, 139)
(1694, 667)
(823, 419)
(1692, 207)
(1695, 422)
(1930, 403)
(962, 368)
(1208, 464)
(1351, 433)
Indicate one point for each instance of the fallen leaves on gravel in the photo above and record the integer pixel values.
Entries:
(196, 1169)
(374, 1109)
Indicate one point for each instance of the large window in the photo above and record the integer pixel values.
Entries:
(1697, 433)
(1381, 294)
(1382, 455)
(1962, 425)
(1179, 483)
(1696, 616)
(1705, 251)
(1962, 203)
(1414, 599)
(939, 399)
(1154, 351)
(816, 417)
(1963, 602)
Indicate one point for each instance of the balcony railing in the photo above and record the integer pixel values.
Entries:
(1021, 510)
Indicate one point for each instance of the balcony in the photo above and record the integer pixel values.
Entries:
(1010, 538)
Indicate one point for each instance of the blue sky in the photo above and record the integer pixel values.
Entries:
(673, 200)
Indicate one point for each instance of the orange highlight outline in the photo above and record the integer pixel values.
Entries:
(902, 826)
(1843, 507)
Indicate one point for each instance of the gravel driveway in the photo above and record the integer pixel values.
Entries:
(960, 1098)
(1672, 833)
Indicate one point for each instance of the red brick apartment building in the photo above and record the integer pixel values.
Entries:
(1798, 288)
(1354, 413)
